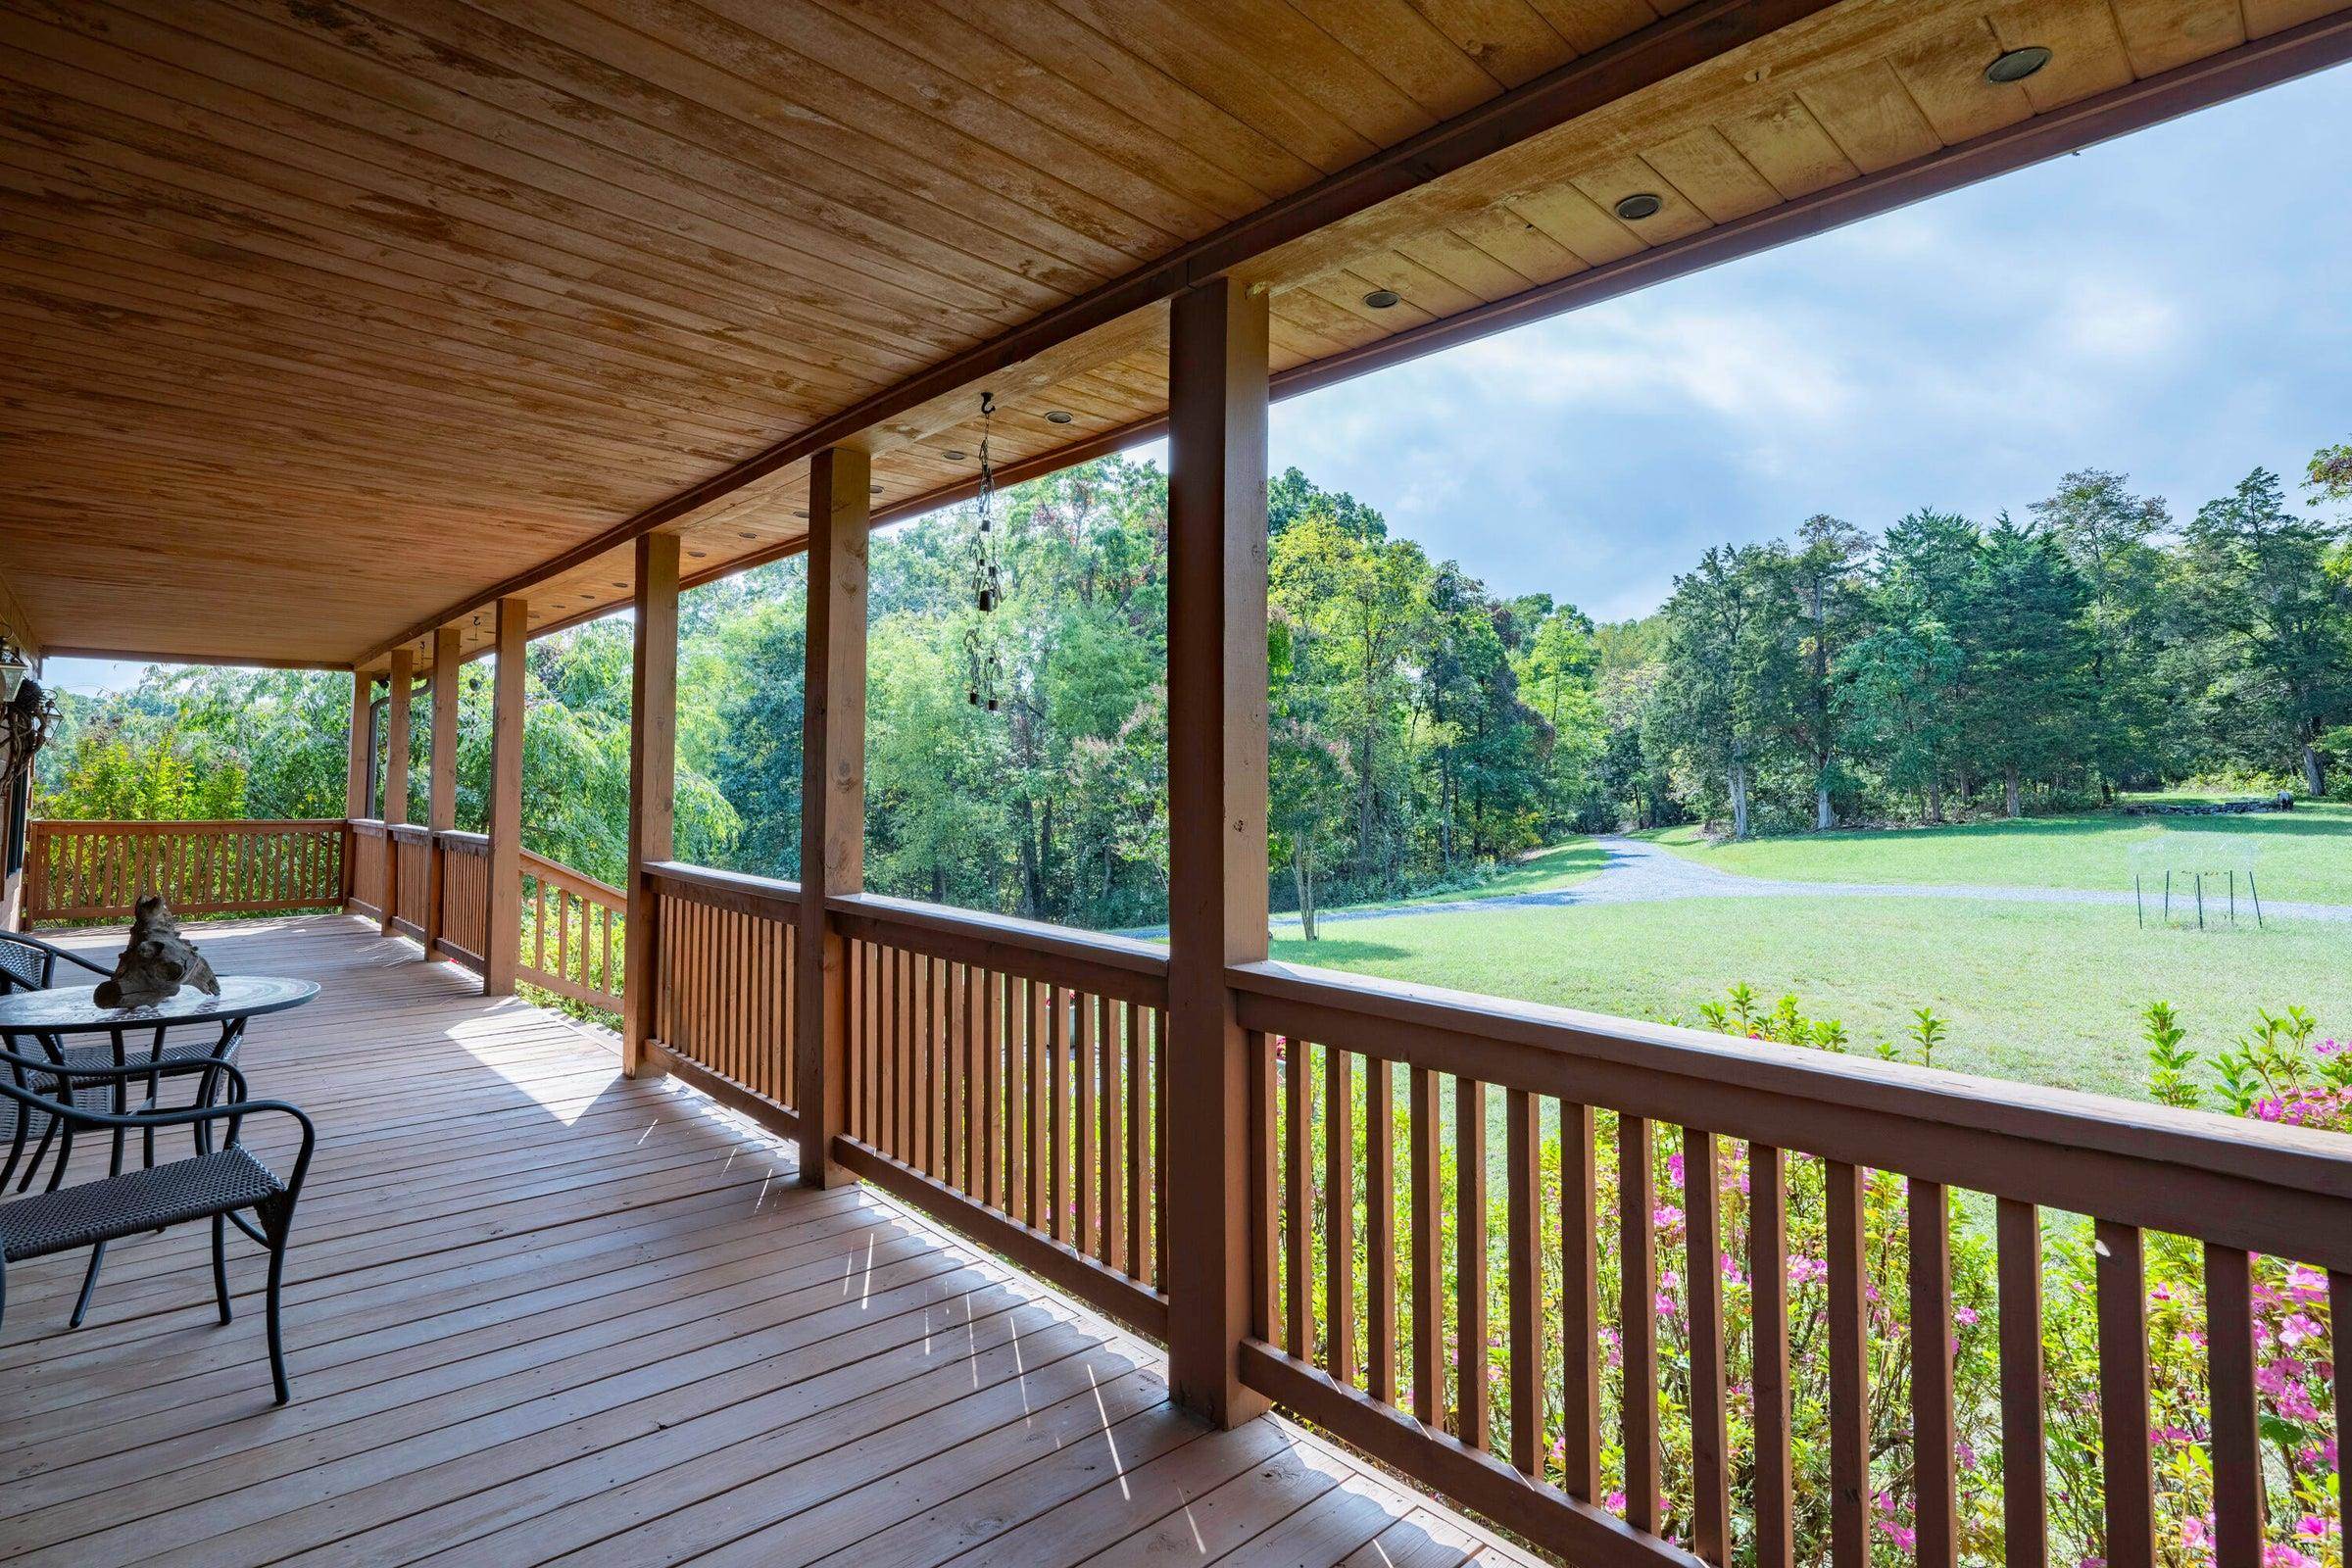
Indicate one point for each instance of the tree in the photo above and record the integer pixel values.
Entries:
(1730, 669)
(2105, 533)
(2258, 579)
(2028, 645)
(1825, 579)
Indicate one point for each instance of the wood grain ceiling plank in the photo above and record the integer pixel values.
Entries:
(2266, 17)
(1716, 177)
(729, 406)
(276, 374)
(1206, 63)
(2160, 35)
(1469, 267)
(1309, 62)
(1421, 287)
(470, 134)
(1591, 25)
(1788, 146)
(533, 133)
(1576, 224)
(1510, 40)
(1608, 181)
(1871, 116)
(1072, 170)
(352, 221)
(214, 238)
(1083, 105)
(1944, 73)
(2087, 53)
(1402, 42)
(1517, 244)
(1032, 30)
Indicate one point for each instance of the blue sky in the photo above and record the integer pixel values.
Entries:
(2175, 305)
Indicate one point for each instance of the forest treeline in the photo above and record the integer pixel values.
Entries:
(1423, 727)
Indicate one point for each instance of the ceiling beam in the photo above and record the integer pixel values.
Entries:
(139, 655)
(1687, 38)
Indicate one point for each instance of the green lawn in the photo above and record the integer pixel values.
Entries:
(2040, 994)
(2305, 853)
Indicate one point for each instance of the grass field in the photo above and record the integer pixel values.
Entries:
(2040, 994)
(2303, 855)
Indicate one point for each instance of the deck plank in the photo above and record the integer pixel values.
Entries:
(536, 1309)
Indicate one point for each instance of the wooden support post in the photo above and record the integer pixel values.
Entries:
(1216, 825)
(441, 776)
(652, 785)
(832, 800)
(359, 786)
(502, 940)
(396, 770)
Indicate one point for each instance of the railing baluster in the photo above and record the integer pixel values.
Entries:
(1298, 1222)
(1380, 1228)
(1158, 1211)
(1086, 1224)
(1057, 1057)
(1638, 1318)
(1702, 1274)
(1522, 1137)
(2339, 1321)
(1266, 1188)
(1580, 1305)
(2238, 1487)
(991, 1089)
(1115, 1123)
(1139, 1149)
(1339, 1214)
(935, 1047)
(2126, 1457)
(1935, 1505)
(1775, 1488)
(1473, 1400)
(1016, 1097)
(1043, 1122)
(1429, 1364)
(1849, 1370)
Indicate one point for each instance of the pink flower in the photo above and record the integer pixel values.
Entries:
(2282, 1555)
(2311, 1524)
(2196, 1532)
(1614, 1503)
(1967, 1317)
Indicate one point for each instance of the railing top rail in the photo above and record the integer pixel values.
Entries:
(134, 826)
(565, 878)
(742, 884)
(463, 842)
(1979, 1132)
(415, 832)
(1086, 947)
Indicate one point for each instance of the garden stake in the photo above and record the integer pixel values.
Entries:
(2200, 901)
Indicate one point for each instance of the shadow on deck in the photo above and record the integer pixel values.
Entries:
(537, 1311)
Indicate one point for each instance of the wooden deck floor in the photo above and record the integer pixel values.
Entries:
(537, 1311)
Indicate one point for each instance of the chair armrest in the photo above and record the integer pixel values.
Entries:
(56, 951)
(178, 1068)
(232, 1112)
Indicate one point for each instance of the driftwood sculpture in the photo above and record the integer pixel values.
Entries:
(158, 961)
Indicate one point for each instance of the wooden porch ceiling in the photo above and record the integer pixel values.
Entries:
(328, 321)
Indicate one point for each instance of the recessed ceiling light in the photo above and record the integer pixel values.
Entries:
(1640, 204)
(1057, 415)
(698, 553)
(799, 513)
(745, 534)
(2016, 65)
(1381, 299)
(954, 456)
(873, 489)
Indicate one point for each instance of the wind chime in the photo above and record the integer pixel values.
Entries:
(984, 669)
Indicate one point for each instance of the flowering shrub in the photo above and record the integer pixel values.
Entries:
(2278, 1072)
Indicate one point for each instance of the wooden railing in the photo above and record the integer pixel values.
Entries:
(98, 870)
(1011, 1078)
(413, 877)
(724, 994)
(1359, 1319)
(572, 933)
(464, 932)
(371, 849)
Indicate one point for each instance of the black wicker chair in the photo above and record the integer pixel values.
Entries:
(220, 1185)
(28, 964)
